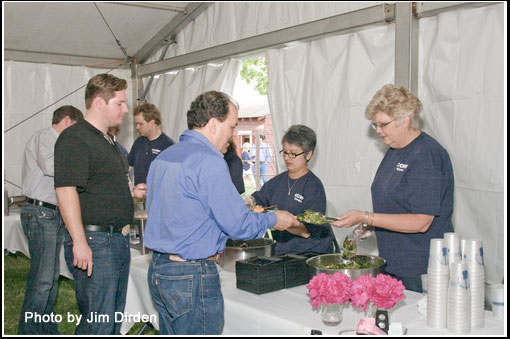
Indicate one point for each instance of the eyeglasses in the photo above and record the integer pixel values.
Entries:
(290, 155)
(381, 125)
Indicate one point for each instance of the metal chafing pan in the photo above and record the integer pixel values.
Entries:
(244, 249)
(318, 263)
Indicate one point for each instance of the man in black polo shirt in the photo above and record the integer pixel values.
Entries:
(97, 205)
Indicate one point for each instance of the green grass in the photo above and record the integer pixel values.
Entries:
(15, 274)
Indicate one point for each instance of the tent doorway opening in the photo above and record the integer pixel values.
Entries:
(254, 138)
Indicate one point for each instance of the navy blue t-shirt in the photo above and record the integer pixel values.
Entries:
(143, 152)
(416, 179)
(306, 192)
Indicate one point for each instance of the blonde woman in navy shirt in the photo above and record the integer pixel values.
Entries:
(412, 192)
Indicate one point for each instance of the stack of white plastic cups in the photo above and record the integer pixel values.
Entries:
(473, 257)
(458, 319)
(438, 277)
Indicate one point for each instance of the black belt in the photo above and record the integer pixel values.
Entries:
(108, 229)
(42, 204)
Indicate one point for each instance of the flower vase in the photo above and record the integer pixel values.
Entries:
(331, 314)
(370, 310)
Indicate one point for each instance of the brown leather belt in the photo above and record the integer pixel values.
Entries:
(175, 257)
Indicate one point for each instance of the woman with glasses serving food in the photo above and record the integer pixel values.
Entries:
(297, 190)
(412, 192)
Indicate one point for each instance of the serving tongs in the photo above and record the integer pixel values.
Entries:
(351, 241)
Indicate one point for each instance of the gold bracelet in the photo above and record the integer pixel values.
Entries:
(372, 222)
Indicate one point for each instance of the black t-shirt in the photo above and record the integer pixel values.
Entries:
(86, 160)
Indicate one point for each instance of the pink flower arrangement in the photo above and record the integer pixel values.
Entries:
(387, 291)
(329, 289)
(361, 291)
(383, 290)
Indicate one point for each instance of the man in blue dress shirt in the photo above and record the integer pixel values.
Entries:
(193, 207)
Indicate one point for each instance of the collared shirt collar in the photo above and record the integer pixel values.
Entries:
(198, 137)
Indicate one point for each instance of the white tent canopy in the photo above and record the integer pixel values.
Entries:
(323, 69)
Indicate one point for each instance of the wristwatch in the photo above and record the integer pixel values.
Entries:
(365, 222)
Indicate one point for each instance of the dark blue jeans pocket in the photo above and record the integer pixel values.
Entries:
(176, 292)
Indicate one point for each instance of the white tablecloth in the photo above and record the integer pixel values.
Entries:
(284, 312)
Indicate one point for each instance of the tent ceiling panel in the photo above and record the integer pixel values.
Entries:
(77, 28)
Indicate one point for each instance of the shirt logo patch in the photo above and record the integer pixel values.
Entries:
(156, 151)
(401, 167)
(298, 197)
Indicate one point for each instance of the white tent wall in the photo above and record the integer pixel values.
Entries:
(326, 84)
(173, 92)
(30, 88)
(461, 85)
(224, 22)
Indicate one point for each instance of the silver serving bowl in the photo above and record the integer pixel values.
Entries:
(317, 264)
(250, 248)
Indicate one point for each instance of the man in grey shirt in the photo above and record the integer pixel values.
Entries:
(42, 224)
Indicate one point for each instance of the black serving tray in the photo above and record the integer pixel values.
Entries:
(296, 271)
(260, 274)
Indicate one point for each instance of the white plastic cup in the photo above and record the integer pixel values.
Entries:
(459, 280)
(473, 254)
(452, 242)
(438, 255)
(498, 301)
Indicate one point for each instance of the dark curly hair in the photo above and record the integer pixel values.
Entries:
(302, 136)
(209, 105)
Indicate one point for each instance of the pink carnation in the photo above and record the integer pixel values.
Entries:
(361, 290)
(387, 291)
(329, 289)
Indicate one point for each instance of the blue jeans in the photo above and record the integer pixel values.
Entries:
(44, 229)
(187, 295)
(104, 292)
(264, 176)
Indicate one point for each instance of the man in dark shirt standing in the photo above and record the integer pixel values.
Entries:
(150, 143)
(97, 206)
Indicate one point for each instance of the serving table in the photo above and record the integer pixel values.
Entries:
(283, 312)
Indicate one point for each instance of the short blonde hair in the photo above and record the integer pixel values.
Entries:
(395, 102)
